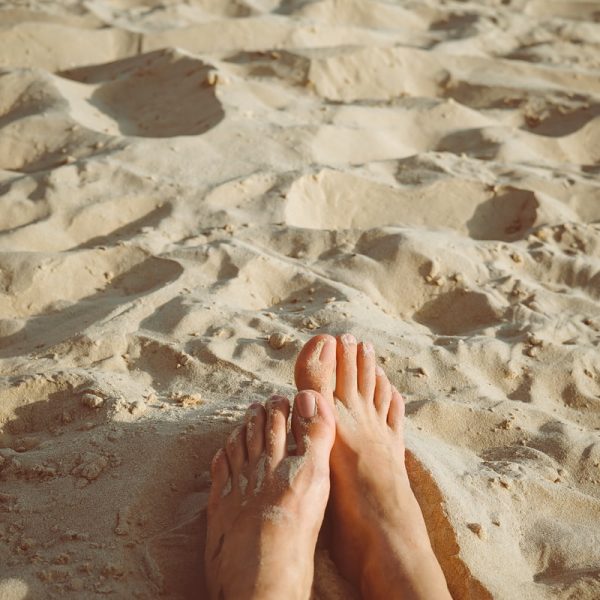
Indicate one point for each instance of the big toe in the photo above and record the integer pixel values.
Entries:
(315, 365)
(313, 426)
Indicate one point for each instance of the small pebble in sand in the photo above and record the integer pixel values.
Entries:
(90, 466)
(137, 407)
(113, 436)
(185, 358)
(113, 570)
(534, 340)
(27, 544)
(61, 559)
(475, 528)
(278, 340)
(186, 400)
(433, 276)
(516, 257)
(122, 526)
(92, 400)
(310, 323)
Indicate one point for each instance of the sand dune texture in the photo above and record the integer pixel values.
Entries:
(181, 180)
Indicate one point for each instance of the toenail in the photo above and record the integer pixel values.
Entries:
(307, 405)
(379, 371)
(323, 344)
(254, 409)
(348, 339)
(368, 348)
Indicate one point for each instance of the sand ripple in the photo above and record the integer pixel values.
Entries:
(181, 180)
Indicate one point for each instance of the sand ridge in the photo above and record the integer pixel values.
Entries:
(180, 181)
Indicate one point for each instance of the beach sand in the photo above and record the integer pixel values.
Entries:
(190, 190)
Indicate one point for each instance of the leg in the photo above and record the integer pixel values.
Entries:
(380, 542)
(266, 506)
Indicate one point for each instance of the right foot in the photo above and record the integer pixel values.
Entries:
(380, 542)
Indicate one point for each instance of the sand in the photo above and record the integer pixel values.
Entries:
(181, 182)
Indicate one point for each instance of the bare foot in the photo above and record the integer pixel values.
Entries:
(266, 505)
(380, 542)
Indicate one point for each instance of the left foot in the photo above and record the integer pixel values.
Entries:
(266, 505)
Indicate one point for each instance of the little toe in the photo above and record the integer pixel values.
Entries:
(383, 393)
(313, 425)
(219, 473)
(315, 365)
(278, 410)
(346, 377)
(365, 366)
(255, 420)
(236, 454)
(395, 417)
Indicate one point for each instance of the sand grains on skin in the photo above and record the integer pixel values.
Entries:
(266, 506)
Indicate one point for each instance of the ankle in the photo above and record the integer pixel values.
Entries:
(412, 567)
(417, 576)
(291, 579)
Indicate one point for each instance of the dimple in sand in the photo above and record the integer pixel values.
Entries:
(266, 507)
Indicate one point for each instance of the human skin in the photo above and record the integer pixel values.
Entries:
(379, 538)
(267, 504)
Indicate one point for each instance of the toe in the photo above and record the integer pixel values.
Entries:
(395, 418)
(313, 425)
(255, 420)
(219, 472)
(383, 393)
(365, 367)
(315, 365)
(278, 410)
(345, 378)
(236, 454)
